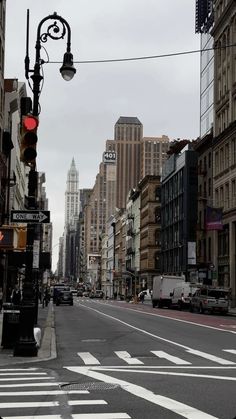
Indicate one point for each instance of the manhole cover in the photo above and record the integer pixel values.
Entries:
(91, 386)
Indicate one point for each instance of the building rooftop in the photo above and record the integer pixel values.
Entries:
(129, 120)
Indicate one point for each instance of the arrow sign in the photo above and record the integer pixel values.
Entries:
(30, 216)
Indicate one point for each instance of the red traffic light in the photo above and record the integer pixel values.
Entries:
(30, 122)
(29, 139)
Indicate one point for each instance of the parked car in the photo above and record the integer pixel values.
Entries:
(80, 293)
(74, 292)
(211, 300)
(182, 295)
(64, 297)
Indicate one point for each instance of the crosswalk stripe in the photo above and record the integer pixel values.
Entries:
(26, 378)
(29, 385)
(127, 358)
(21, 373)
(171, 358)
(76, 416)
(210, 357)
(20, 405)
(88, 358)
(231, 351)
(42, 393)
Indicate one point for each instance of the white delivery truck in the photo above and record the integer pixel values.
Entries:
(182, 295)
(163, 286)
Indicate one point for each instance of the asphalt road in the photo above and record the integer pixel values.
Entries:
(117, 360)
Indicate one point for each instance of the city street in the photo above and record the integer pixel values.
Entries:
(120, 360)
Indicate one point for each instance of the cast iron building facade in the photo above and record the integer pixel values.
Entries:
(179, 211)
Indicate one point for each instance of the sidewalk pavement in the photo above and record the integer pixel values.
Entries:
(47, 348)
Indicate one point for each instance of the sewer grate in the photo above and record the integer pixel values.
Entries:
(92, 386)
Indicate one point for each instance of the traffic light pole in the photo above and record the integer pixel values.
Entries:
(26, 346)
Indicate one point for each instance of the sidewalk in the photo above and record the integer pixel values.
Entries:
(47, 348)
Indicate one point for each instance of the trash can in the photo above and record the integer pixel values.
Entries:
(10, 325)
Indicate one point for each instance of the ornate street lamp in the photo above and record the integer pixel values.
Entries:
(26, 345)
(56, 30)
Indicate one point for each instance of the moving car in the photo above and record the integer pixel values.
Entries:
(64, 297)
(211, 300)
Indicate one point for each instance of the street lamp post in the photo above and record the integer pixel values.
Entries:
(26, 345)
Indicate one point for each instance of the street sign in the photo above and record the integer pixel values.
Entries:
(31, 216)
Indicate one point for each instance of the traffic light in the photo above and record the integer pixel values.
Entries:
(29, 139)
(6, 237)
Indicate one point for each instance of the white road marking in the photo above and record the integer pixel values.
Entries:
(210, 357)
(30, 385)
(231, 351)
(178, 374)
(163, 317)
(171, 358)
(42, 393)
(174, 406)
(100, 416)
(21, 405)
(18, 369)
(179, 345)
(127, 358)
(26, 378)
(88, 358)
(22, 373)
(77, 416)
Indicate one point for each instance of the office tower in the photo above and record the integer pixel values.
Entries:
(72, 194)
(153, 155)
(127, 139)
(224, 142)
(70, 236)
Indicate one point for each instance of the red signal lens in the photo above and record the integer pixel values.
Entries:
(30, 123)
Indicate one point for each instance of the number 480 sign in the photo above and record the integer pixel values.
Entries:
(109, 157)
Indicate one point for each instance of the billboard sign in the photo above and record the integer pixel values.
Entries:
(93, 262)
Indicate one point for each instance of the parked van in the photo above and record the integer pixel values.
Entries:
(162, 288)
(182, 295)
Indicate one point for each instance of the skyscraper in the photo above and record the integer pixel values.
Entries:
(128, 135)
(70, 239)
(72, 194)
(153, 155)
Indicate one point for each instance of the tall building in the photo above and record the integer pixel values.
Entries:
(101, 204)
(224, 141)
(72, 202)
(153, 155)
(72, 207)
(206, 84)
(179, 211)
(127, 138)
(2, 154)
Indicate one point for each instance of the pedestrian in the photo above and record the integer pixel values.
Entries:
(142, 297)
(1, 297)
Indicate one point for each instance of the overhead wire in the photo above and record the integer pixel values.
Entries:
(147, 57)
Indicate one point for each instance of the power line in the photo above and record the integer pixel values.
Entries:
(148, 57)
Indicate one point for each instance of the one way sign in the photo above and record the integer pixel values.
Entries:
(31, 216)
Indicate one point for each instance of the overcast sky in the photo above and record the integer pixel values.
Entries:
(78, 116)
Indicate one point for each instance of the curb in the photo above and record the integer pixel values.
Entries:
(47, 350)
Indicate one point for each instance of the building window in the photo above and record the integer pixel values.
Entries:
(209, 249)
(209, 187)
